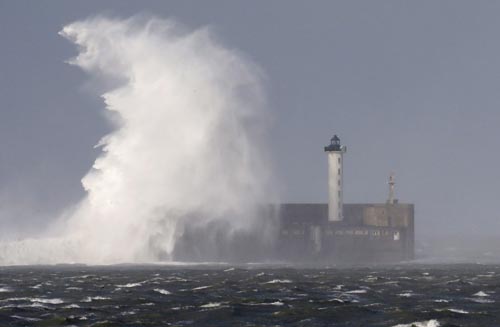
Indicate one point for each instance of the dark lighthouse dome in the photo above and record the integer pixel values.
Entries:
(334, 144)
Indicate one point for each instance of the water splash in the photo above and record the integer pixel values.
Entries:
(187, 144)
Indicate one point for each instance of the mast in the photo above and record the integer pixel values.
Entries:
(392, 183)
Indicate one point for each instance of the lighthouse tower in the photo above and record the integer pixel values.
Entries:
(335, 202)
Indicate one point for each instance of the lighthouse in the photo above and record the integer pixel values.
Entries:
(335, 152)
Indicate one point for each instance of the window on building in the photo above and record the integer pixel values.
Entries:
(338, 171)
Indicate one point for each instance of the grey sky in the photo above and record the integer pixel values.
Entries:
(410, 86)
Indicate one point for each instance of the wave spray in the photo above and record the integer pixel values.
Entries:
(187, 146)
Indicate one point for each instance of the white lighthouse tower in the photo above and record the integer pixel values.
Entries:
(335, 152)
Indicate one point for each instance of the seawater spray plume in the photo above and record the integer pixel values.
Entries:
(188, 115)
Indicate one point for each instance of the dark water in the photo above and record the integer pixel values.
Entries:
(455, 295)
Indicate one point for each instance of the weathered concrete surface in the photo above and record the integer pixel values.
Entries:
(370, 232)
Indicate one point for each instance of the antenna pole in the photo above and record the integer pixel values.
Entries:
(391, 183)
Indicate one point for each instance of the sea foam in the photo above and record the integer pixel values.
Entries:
(187, 116)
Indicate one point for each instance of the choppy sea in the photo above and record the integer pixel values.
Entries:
(250, 295)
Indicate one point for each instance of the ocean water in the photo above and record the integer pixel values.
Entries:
(250, 295)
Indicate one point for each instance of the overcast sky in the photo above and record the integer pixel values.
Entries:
(409, 86)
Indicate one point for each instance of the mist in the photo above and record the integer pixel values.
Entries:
(187, 147)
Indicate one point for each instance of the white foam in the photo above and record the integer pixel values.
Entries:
(95, 298)
(276, 303)
(356, 292)
(31, 305)
(181, 94)
(47, 301)
(211, 305)
(129, 285)
(8, 306)
(5, 289)
(428, 323)
(279, 281)
(458, 311)
(481, 294)
(201, 288)
(35, 305)
(71, 306)
(162, 291)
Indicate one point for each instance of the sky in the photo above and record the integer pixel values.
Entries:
(411, 87)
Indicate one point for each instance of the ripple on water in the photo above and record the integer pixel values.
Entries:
(275, 303)
(460, 311)
(482, 300)
(201, 297)
(25, 318)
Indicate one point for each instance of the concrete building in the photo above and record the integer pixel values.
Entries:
(346, 233)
